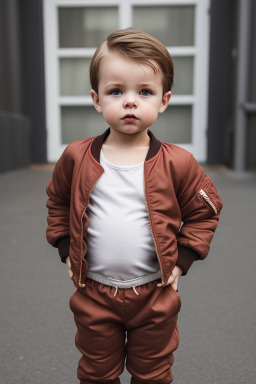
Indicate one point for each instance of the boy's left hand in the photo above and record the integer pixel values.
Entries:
(173, 279)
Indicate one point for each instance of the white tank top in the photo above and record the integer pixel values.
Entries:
(120, 250)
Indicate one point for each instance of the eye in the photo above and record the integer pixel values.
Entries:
(145, 92)
(116, 92)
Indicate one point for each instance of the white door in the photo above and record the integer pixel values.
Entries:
(73, 29)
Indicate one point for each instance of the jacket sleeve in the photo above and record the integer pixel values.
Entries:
(200, 206)
(58, 190)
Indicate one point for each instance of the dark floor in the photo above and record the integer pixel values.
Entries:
(217, 318)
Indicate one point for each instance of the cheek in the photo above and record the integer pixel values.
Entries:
(109, 108)
(151, 112)
(109, 112)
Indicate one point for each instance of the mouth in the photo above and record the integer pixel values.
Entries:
(130, 118)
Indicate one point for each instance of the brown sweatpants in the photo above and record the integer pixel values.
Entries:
(116, 324)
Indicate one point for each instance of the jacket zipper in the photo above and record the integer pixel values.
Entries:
(150, 227)
(208, 200)
(81, 250)
(81, 236)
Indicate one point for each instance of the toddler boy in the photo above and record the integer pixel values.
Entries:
(129, 215)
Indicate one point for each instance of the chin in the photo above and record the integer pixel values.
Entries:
(132, 131)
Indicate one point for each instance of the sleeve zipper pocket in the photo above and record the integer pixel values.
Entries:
(208, 200)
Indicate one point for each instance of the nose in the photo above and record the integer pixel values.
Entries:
(130, 101)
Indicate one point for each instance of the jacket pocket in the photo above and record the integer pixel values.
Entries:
(208, 194)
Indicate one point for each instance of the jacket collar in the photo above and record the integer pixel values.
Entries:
(154, 147)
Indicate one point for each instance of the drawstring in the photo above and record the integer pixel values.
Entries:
(134, 289)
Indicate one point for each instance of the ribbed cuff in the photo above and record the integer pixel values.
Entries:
(63, 247)
(186, 257)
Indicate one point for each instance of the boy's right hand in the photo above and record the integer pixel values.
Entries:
(70, 271)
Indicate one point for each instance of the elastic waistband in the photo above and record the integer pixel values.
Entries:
(124, 284)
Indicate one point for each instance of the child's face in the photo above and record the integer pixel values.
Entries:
(130, 94)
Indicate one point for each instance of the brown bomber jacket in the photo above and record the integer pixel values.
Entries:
(177, 191)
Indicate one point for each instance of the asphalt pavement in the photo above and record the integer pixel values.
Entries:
(217, 317)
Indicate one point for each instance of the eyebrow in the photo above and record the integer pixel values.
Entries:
(147, 85)
(114, 85)
(141, 85)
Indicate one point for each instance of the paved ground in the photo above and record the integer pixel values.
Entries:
(217, 319)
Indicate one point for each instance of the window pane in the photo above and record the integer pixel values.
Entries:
(183, 75)
(80, 122)
(172, 25)
(74, 77)
(86, 27)
(174, 125)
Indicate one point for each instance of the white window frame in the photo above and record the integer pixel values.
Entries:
(200, 53)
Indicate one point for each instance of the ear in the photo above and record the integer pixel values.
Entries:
(96, 100)
(165, 101)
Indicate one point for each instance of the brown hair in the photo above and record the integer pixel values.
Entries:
(138, 46)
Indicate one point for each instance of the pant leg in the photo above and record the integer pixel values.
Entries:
(100, 334)
(152, 334)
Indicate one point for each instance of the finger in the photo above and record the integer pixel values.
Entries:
(169, 282)
(179, 270)
(70, 273)
(171, 279)
(75, 288)
(69, 267)
(175, 286)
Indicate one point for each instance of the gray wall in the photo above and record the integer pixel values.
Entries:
(222, 71)
(223, 84)
(251, 142)
(22, 105)
(14, 126)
